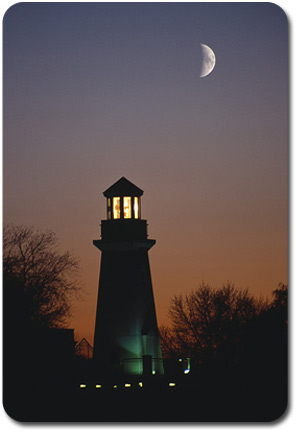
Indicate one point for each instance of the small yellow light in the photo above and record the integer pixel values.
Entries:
(187, 371)
(180, 359)
(127, 207)
(140, 384)
(153, 372)
(116, 208)
(82, 386)
(98, 386)
(127, 385)
(136, 207)
(115, 386)
(172, 384)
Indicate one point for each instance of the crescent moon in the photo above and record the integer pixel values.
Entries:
(208, 60)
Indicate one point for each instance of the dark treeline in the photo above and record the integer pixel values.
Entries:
(40, 285)
(237, 344)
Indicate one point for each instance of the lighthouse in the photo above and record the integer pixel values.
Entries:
(126, 337)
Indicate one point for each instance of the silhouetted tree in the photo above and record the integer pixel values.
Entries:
(208, 324)
(265, 341)
(279, 304)
(39, 283)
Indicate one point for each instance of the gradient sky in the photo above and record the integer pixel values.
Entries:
(94, 91)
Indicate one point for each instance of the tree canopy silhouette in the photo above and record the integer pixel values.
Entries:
(237, 345)
(39, 282)
(210, 325)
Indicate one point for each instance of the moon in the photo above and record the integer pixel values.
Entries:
(208, 60)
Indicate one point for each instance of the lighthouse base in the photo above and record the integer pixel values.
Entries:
(126, 327)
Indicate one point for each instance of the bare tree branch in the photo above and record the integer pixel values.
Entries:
(49, 280)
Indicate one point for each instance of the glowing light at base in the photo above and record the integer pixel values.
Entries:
(172, 384)
(187, 363)
(98, 386)
(127, 385)
(82, 386)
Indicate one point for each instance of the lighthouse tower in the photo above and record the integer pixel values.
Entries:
(126, 334)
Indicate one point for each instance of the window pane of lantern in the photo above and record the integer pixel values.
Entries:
(127, 207)
(136, 207)
(116, 207)
(108, 209)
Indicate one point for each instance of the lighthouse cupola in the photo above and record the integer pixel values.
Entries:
(123, 201)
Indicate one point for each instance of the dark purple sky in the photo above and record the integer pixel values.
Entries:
(93, 92)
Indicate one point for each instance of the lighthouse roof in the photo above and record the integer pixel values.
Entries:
(123, 187)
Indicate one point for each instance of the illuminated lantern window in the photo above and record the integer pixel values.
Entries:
(127, 207)
(109, 209)
(136, 208)
(116, 208)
